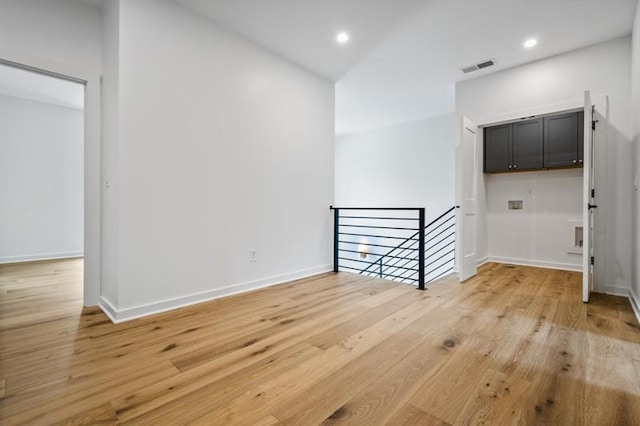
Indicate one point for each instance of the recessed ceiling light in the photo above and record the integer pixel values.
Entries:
(530, 43)
(342, 38)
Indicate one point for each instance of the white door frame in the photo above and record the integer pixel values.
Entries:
(601, 102)
(92, 161)
(588, 184)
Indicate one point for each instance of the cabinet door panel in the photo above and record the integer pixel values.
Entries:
(560, 140)
(497, 148)
(527, 144)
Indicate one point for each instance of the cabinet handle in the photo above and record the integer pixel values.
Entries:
(515, 167)
(580, 161)
(509, 167)
(575, 161)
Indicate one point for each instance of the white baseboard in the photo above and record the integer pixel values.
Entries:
(108, 309)
(537, 263)
(479, 263)
(635, 304)
(128, 313)
(482, 261)
(616, 291)
(42, 256)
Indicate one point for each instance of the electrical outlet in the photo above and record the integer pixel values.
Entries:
(252, 255)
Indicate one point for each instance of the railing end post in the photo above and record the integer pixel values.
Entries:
(336, 232)
(421, 248)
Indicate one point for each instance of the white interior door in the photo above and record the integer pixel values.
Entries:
(588, 201)
(467, 216)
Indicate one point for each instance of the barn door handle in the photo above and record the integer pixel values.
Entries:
(592, 206)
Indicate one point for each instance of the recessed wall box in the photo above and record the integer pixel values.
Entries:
(515, 205)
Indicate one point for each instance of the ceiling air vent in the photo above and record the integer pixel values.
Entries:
(476, 67)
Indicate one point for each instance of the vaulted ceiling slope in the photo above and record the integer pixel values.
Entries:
(304, 31)
(412, 73)
(404, 56)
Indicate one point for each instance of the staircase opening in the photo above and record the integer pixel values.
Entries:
(394, 243)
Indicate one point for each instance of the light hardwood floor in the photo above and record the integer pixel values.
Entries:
(514, 345)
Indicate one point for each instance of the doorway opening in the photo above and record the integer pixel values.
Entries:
(42, 144)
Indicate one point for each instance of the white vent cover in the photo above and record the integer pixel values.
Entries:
(478, 66)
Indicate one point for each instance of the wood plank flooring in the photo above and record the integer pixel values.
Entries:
(514, 345)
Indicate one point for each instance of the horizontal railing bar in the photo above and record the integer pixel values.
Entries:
(400, 261)
(408, 260)
(413, 276)
(400, 267)
(353, 269)
(373, 274)
(445, 272)
(440, 225)
(379, 217)
(396, 257)
(439, 266)
(440, 217)
(396, 269)
(396, 260)
(384, 273)
(376, 208)
(447, 253)
(451, 259)
(433, 253)
(375, 245)
(446, 236)
(399, 245)
(440, 221)
(399, 276)
(375, 262)
(379, 227)
(404, 257)
(374, 236)
(439, 233)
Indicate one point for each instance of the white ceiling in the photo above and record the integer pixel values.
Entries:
(404, 56)
(304, 31)
(412, 73)
(37, 87)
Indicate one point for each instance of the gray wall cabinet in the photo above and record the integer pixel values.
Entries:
(553, 141)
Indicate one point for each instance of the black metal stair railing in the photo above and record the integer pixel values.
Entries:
(387, 243)
(440, 246)
(364, 235)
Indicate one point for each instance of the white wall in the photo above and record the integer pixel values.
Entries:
(541, 232)
(63, 31)
(222, 148)
(604, 70)
(406, 165)
(110, 133)
(41, 180)
(64, 36)
(635, 85)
